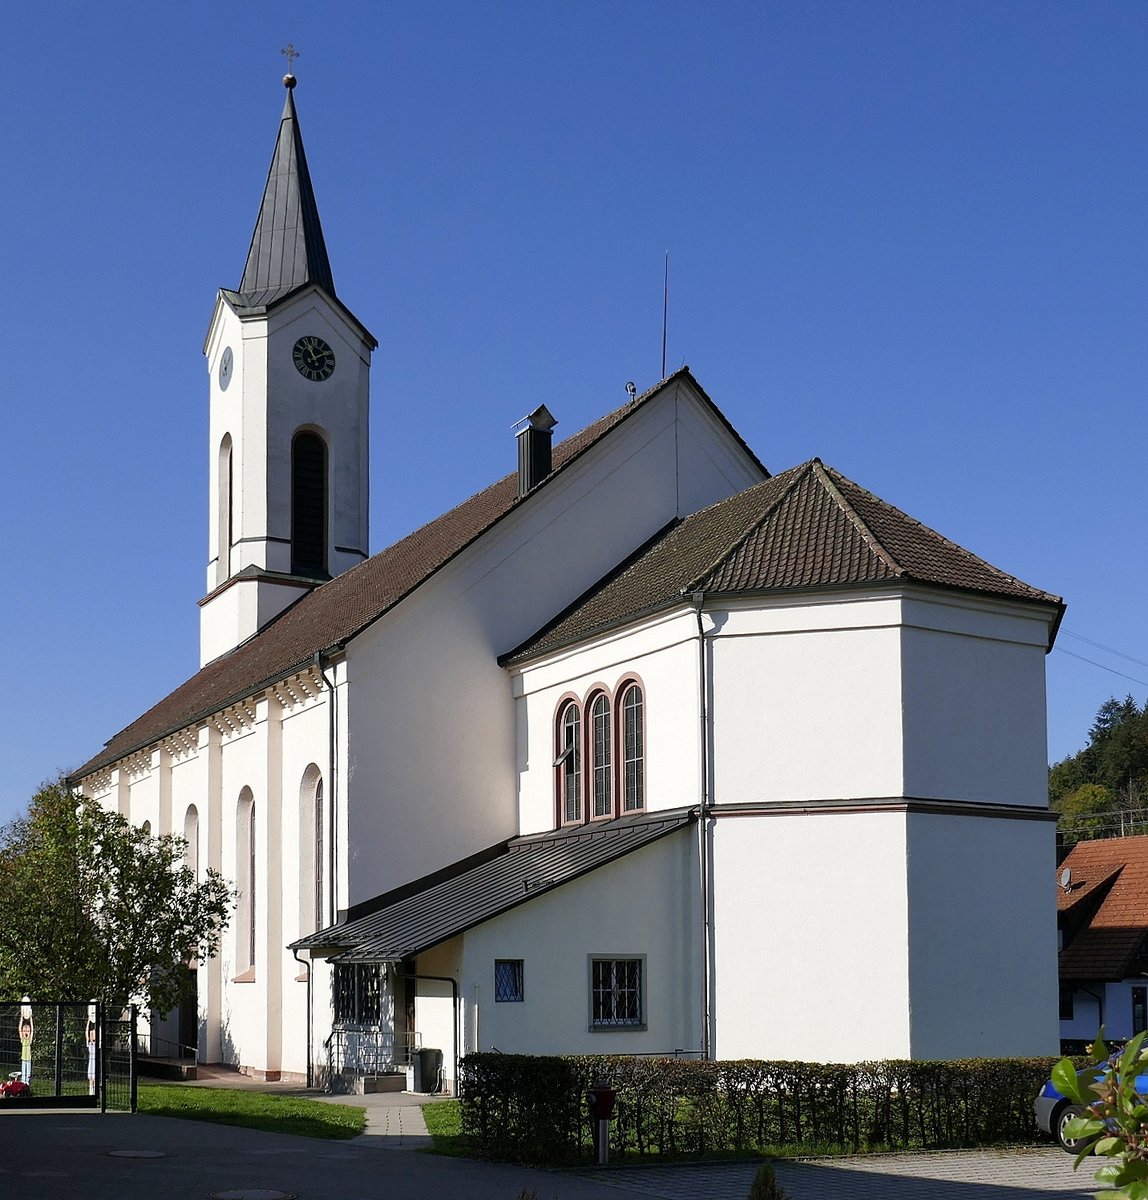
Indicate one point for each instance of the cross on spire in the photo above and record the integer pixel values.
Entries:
(291, 54)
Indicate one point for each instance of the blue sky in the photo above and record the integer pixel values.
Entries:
(908, 238)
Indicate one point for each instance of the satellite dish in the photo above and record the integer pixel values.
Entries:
(1065, 878)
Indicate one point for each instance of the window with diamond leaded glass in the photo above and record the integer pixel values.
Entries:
(508, 980)
(616, 999)
(633, 750)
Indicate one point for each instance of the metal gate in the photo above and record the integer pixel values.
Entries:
(68, 1054)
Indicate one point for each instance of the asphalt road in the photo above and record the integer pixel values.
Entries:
(88, 1156)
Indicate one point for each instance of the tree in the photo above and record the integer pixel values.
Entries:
(95, 908)
(1084, 812)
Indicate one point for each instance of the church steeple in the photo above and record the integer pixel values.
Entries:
(289, 420)
(287, 247)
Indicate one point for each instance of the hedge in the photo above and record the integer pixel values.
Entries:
(533, 1109)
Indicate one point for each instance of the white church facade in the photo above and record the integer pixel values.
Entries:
(640, 750)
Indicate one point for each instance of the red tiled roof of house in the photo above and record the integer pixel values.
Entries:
(1111, 873)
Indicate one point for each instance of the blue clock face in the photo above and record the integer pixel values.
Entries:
(226, 363)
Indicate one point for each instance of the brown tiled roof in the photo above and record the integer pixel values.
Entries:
(328, 616)
(807, 528)
(1111, 873)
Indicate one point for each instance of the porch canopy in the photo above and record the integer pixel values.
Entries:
(408, 920)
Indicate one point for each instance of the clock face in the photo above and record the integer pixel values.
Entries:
(313, 358)
(226, 363)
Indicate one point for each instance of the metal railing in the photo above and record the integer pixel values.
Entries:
(366, 1052)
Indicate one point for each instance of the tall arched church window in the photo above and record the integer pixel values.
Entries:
(569, 763)
(601, 749)
(311, 915)
(633, 749)
(191, 838)
(246, 881)
(224, 519)
(308, 505)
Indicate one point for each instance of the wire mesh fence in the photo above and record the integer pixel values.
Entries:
(67, 1053)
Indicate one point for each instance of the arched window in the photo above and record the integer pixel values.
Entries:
(569, 763)
(633, 749)
(246, 881)
(601, 751)
(191, 837)
(308, 505)
(224, 519)
(146, 827)
(311, 913)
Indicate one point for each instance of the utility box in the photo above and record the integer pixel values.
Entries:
(428, 1070)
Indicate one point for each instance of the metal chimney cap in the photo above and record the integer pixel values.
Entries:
(541, 418)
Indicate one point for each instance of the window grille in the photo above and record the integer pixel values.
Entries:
(616, 992)
(508, 980)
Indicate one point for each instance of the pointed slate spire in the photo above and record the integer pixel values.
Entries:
(287, 248)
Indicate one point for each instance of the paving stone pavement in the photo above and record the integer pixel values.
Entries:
(1016, 1174)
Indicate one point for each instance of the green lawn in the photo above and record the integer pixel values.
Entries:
(252, 1110)
(444, 1124)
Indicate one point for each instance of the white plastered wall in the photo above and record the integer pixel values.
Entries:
(267, 746)
(810, 937)
(643, 905)
(432, 739)
(982, 937)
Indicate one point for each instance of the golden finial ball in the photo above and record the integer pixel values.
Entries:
(289, 81)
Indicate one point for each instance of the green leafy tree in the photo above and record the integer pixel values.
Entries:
(95, 908)
(1084, 813)
(1114, 1125)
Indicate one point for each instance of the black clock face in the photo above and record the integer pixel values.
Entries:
(226, 363)
(313, 358)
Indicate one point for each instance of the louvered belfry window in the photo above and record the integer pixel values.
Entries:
(308, 506)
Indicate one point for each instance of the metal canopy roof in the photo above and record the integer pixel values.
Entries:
(527, 868)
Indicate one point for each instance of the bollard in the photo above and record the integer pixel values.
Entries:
(600, 1102)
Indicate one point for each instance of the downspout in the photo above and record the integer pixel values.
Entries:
(332, 767)
(310, 1016)
(703, 808)
(455, 1008)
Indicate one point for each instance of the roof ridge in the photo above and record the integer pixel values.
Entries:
(962, 550)
(871, 540)
(798, 473)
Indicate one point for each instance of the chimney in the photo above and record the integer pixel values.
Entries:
(534, 448)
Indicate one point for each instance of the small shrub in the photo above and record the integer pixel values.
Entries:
(765, 1186)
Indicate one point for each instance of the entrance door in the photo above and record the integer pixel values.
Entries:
(189, 1019)
(1139, 1009)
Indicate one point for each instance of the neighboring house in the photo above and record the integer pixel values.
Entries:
(1102, 914)
(639, 750)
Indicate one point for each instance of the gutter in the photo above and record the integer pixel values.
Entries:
(703, 808)
(310, 1017)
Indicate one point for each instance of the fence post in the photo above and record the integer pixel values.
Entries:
(59, 1050)
(133, 1073)
(101, 1065)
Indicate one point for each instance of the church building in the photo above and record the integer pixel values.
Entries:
(641, 750)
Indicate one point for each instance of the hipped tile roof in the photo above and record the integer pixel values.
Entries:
(806, 528)
(1112, 875)
(526, 868)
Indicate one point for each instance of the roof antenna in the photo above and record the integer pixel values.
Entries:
(665, 311)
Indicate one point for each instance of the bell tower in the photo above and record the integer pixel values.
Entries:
(289, 369)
